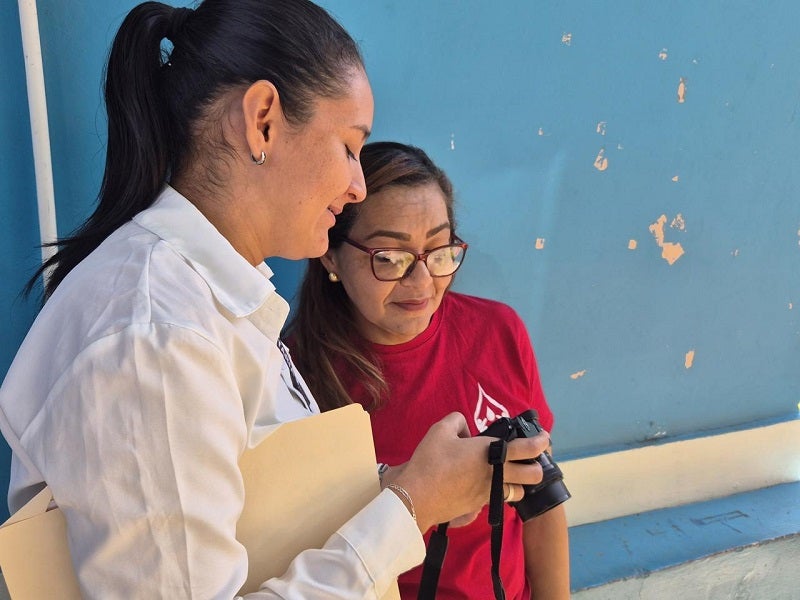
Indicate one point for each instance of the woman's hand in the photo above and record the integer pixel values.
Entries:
(464, 520)
(449, 475)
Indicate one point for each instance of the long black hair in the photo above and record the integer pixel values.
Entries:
(159, 101)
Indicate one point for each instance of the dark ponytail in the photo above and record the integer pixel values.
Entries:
(136, 156)
(159, 103)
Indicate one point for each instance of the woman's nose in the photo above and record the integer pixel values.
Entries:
(358, 187)
(419, 270)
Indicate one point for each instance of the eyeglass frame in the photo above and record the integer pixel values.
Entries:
(421, 256)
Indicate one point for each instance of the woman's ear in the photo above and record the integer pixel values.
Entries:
(328, 261)
(261, 110)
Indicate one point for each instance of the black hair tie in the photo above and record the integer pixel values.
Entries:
(178, 22)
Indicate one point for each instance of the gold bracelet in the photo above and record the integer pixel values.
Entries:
(405, 497)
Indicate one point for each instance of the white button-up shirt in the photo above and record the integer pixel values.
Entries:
(153, 366)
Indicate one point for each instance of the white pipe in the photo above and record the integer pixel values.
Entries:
(37, 105)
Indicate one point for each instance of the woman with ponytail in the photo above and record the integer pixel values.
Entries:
(156, 361)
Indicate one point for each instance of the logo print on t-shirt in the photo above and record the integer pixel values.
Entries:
(487, 410)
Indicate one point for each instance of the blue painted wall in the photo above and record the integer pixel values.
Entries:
(561, 127)
(19, 234)
(518, 100)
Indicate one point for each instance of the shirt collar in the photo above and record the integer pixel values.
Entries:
(236, 284)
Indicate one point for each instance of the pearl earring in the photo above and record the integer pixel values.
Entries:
(333, 277)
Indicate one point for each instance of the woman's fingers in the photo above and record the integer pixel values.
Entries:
(449, 473)
(527, 448)
(456, 424)
(512, 492)
(529, 474)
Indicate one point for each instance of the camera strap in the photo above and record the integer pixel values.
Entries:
(432, 567)
(497, 457)
(437, 544)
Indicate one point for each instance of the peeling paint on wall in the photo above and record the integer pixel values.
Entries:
(566, 39)
(678, 222)
(632, 244)
(676, 179)
(578, 375)
(541, 131)
(670, 251)
(682, 91)
(689, 360)
(539, 243)
(452, 141)
(735, 253)
(663, 54)
(601, 162)
(655, 432)
(601, 128)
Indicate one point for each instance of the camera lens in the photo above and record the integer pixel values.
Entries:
(547, 494)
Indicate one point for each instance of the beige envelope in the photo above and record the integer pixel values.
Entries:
(34, 555)
(301, 484)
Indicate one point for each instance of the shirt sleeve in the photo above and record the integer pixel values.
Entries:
(528, 357)
(381, 557)
(140, 440)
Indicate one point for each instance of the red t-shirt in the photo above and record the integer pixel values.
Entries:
(476, 358)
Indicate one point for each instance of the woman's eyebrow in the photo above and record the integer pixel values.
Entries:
(365, 131)
(435, 230)
(404, 237)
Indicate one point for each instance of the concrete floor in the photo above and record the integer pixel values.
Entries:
(765, 571)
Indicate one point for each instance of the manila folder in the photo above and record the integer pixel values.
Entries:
(302, 483)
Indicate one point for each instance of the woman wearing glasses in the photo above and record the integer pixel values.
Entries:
(377, 325)
(155, 361)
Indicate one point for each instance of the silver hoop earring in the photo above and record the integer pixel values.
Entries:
(260, 161)
(333, 277)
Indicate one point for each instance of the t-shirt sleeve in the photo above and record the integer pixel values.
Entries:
(528, 358)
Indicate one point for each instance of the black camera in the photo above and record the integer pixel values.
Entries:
(548, 493)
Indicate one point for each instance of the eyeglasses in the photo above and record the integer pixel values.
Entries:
(394, 264)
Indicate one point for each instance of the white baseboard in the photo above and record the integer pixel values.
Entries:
(622, 483)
